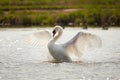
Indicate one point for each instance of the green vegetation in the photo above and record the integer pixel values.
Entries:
(57, 4)
(63, 12)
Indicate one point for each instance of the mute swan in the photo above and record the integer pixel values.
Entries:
(62, 52)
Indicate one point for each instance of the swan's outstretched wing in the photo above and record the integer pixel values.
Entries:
(39, 39)
(80, 41)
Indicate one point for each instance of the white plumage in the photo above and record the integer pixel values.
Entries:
(62, 52)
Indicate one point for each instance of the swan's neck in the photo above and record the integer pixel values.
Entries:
(58, 35)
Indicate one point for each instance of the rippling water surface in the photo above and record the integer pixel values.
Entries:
(21, 61)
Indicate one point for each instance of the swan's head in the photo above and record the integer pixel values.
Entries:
(57, 31)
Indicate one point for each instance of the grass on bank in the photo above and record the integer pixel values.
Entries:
(57, 4)
(32, 12)
(45, 18)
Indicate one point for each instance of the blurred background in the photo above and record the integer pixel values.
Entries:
(42, 13)
(19, 19)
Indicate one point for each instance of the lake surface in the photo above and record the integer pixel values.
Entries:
(22, 61)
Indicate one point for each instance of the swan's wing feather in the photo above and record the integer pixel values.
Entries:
(80, 41)
(39, 39)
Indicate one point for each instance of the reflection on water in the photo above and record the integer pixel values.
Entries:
(21, 61)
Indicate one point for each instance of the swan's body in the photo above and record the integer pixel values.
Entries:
(57, 50)
(75, 46)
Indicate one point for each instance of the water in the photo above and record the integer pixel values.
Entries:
(21, 61)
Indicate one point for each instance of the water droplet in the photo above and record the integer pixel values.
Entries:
(19, 48)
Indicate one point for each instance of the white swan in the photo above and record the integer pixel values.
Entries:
(62, 52)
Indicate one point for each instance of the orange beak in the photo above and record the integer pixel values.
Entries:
(53, 35)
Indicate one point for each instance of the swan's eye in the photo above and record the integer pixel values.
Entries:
(54, 32)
